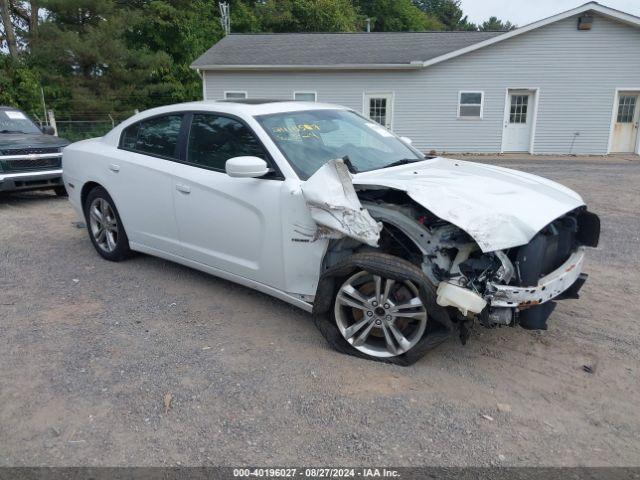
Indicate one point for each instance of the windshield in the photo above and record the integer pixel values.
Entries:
(14, 121)
(309, 139)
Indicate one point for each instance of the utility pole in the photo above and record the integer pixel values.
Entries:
(225, 18)
(368, 25)
(44, 106)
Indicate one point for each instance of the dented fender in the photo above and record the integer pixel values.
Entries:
(334, 204)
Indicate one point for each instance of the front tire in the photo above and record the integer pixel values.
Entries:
(105, 226)
(383, 308)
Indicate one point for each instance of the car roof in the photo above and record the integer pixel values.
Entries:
(240, 108)
(249, 106)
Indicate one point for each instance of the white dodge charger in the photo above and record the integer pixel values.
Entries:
(392, 251)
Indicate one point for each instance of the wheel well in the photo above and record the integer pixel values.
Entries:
(86, 188)
(395, 242)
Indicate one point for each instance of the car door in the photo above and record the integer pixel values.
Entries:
(141, 181)
(232, 224)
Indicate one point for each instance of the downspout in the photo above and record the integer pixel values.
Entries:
(204, 83)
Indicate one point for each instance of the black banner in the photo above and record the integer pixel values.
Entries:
(401, 473)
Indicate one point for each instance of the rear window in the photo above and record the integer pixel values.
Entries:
(156, 136)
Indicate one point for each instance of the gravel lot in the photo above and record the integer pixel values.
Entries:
(89, 349)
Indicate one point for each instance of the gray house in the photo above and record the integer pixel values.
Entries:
(566, 84)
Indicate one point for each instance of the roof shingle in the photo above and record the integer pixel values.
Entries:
(326, 49)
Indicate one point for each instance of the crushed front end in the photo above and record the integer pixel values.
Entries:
(515, 286)
(474, 276)
(520, 285)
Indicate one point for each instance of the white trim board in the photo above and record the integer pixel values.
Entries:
(338, 66)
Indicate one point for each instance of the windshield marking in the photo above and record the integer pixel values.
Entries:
(310, 138)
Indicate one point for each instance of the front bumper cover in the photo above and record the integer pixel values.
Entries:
(11, 182)
(548, 288)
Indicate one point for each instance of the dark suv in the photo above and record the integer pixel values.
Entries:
(30, 159)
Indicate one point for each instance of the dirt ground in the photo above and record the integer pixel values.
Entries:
(89, 349)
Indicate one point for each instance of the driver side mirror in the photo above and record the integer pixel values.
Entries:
(48, 130)
(246, 167)
(406, 140)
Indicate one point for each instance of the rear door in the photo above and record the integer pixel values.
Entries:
(141, 181)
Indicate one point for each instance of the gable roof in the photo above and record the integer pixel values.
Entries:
(603, 10)
(381, 50)
(336, 49)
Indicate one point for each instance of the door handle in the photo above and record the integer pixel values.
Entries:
(183, 188)
(114, 168)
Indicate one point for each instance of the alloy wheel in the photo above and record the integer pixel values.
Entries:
(379, 316)
(104, 224)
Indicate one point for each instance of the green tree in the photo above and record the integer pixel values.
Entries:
(86, 63)
(183, 30)
(19, 86)
(448, 12)
(307, 16)
(494, 24)
(396, 16)
(244, 17)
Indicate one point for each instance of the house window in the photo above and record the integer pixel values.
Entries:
(379, 108)
(305, 96)
(519, 106)
(626, 108)
(470, 105)
(235, 95)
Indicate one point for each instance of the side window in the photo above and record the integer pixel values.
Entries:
(156, 136)
(214, 139)
(130, 136)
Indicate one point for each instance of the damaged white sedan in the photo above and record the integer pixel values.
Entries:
(392, 251)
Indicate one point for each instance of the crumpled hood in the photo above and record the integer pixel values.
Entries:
(500, 208)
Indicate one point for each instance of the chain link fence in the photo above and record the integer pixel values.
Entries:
(80, 126)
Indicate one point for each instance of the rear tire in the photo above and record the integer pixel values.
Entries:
(382, 308)
(105, 226)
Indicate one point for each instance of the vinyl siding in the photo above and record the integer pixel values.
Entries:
(577, 73)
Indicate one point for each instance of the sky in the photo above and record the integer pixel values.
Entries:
(522, 12)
